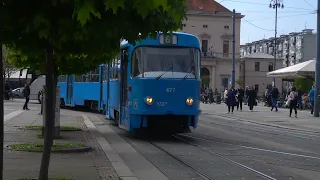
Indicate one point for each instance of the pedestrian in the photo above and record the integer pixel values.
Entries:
(240, 98)
(231, 99)
(252, 96)
(299, 99)
(311, 98)
(26, 94)
(293, 101)
(274, 98)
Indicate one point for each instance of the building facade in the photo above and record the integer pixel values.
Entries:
(293, 48)
(253, 71)
(212, 24)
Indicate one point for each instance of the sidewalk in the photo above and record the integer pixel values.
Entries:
(263, 115)
(92, 165)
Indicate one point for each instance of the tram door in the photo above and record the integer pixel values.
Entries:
(69, 89)
(124, 87)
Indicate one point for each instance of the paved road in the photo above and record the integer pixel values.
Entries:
(17, 104)
(237, 146)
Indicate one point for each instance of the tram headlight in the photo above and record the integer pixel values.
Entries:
(189, 101)
(149, 100)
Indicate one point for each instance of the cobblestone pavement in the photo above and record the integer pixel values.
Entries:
(83, 166)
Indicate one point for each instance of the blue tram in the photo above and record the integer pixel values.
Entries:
(152, 84)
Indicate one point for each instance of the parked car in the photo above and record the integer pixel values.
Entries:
(17, 93)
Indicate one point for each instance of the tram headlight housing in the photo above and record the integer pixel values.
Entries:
(189, 101)
(149, 100)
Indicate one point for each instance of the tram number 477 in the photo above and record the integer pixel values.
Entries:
(171, 90)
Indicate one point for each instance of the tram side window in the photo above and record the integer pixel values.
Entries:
(136, 61)
(95, 75)
(62, 78)
(116, 72)
(87, 77)
(78, 78)
(106, 73)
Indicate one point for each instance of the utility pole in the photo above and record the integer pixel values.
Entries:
(233, 74)
(1, 108)
(275, 4)
(317, 73)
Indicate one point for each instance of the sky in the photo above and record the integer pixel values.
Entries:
(259, 20)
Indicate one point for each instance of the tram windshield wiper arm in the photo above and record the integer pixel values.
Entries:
(157, 78)
(188, 73)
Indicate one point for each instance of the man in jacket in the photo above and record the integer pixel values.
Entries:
(26, 94)
(274, 96)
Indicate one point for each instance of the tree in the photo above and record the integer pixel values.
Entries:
(71, 32)
(304, 84)
(240, 83)
(8, 67)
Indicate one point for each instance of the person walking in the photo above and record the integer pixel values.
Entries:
(252, 96)
(240, 98)
(274, 96)
(311, 98)
(231, 99)
(293, 101)
(26, 94)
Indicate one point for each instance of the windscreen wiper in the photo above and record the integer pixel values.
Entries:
(157, 78)
(188, 73)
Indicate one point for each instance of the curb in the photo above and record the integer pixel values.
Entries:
(71, 150)
(259, 123)
(116, 161)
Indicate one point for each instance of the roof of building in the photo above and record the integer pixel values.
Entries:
(259, 55)
(205, 5)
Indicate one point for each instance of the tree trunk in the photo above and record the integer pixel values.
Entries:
(56, 129)
(1, 111)
(49, 115)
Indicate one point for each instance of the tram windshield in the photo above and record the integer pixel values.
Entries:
(168, 62)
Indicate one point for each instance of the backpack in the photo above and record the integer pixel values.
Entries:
(295, 98)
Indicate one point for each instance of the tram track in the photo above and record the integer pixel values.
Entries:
(280, 127)
(189, 165)
(206, 139)
(270, 132)
(208, 150)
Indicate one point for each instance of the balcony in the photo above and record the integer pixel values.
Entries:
(214, 55)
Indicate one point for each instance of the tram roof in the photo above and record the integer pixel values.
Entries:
(124, 43)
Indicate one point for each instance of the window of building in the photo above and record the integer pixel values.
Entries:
(226, 48)
(184, 25)
(257, 66)
(204, 45)
(205, 26)
(270, 67)
(226, 27)
(256, 87)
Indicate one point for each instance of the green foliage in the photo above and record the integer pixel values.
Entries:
(85, 33)
(303, 84)
(239, 82)
(205, 80)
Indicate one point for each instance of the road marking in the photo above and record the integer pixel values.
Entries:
(12, 115)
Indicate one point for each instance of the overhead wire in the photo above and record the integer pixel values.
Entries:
(309, 4)
(263, 4)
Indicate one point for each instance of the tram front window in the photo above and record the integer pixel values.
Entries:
(176, 62)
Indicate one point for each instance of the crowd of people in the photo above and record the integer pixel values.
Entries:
(295, 99)
(239, 97)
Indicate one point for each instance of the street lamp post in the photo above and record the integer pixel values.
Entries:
(275, 4)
